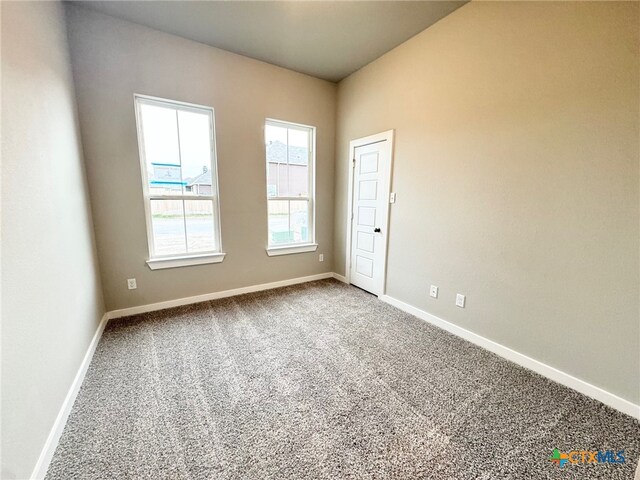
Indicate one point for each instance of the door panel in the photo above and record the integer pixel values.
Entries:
(364, 266)
(365, 241)
(368, 225)
(367, 216)
(368, 190)
(369, 163)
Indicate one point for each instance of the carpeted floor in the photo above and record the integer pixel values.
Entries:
(321, 381)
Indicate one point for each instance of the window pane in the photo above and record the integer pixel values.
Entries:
(298, 146)
(272, 179)
(283, 180)
(195, 152)
(199, 222)
(167, 217)
(289, 175)
(298, 180)
(279, 232)
(299, 213)
(276, 143)
(298, 163)
(160, 143)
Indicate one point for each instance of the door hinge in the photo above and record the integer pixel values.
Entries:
(353, 163)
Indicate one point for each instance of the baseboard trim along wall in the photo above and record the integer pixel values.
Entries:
(178, 302)
(543, 369)
(556, 375)
(340, 278)
(50, 445)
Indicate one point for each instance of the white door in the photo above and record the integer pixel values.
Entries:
(371, 173)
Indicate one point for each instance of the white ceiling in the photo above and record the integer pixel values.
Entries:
(326, 39)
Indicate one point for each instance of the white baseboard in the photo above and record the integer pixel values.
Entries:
(178, 302)
(543, 369)
(339, 277)
(40, 470)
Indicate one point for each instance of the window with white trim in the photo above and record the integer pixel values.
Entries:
(179, 181)
(290, 186)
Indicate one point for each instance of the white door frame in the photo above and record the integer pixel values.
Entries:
(353, 144)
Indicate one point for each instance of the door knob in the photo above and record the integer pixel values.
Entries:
(376, 230)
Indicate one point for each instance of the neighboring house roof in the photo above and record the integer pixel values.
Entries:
(277, 153)
(202, 179)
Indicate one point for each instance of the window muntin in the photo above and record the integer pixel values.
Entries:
(177, 156)
(290, 183)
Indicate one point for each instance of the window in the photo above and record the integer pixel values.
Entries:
(179, 181)
(290, 187)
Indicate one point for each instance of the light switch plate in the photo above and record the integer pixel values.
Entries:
(434, 291)
(460, 300)
(392, 197)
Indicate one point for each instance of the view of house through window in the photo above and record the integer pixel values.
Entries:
(289, 149)
(179, 180)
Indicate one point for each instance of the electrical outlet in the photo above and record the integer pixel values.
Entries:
(392, 197)
(434, 291)
(321, 257)
(460, 299)
(131, 283)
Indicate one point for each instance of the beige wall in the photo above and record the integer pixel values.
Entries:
(51, 294)
(517, 175)
(114, 59)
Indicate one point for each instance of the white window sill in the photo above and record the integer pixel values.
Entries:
(291, 249)
(185, 261)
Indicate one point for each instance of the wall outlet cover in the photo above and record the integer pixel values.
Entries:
(433, 291)
(460, 300)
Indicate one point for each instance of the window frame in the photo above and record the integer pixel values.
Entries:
(180, 259)
(299, 247)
